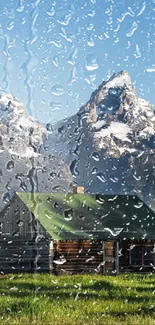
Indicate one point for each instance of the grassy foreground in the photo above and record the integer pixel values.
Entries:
(77, 300)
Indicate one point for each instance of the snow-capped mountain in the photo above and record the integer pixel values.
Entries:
(110, 143)
(122, 117)
(25, 164)
(20, 134)
(108, 146)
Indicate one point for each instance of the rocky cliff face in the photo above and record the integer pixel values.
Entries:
(109, 144)
(19, 133)
(25, 163)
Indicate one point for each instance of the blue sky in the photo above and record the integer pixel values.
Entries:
(53, 54)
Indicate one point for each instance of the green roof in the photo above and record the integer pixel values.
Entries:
(87, 216)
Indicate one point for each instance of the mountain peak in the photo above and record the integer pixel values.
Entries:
(114, 109)
(13, 113)
(19, 133)
(108, 96)
(11, 109)
(119, 79)
(117, 84)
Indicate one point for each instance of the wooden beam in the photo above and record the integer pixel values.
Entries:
(103, 257)
(117, 257)
(50, 254)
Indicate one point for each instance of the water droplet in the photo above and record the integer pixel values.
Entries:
(115, 231)
(73, 168)
(60, 262)
(20, 223)
(90, 259)
(10, 165)
(106, 35)
(128, 13)
(139, 205)
(132, 29)
(55, 105)
(90, 40)
(82, 217)
(152, 69)
(94, 171)
(14, 289)
(55, 42)
(55, 61)
(114, 180)
(137, 54)
(101, 177)
(65, 19)
(53, 174)
(10, 26)
(101, 264)
(6, 198)
(96, 156)
(56, 188)
(91, 62)
(131, 247)
(47, 215)
(72, 56)
(49, 200)
(20, 8)
(23, 186)
(68, 214)
(49, 127)
(57, 90)
(68, 198)
(142, 9)
(99, 199)
(51, 12)
(90, 26)
(134, 217)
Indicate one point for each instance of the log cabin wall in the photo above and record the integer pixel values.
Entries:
(24, 246)
(81, 256)
(22, 256)
(85, 256)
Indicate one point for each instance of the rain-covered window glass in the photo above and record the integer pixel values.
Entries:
(136, 256)
(77, 162)
(142, 256)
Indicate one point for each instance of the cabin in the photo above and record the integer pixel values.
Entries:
(77, 233)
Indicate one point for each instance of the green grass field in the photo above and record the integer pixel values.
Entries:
(75, 300)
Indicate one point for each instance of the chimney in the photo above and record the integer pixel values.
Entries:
(78, 190)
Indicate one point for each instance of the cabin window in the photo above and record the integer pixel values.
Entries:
(136, 255)
(149, 255)
(142, 255)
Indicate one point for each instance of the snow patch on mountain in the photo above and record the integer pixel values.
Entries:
(98, 125)
(120, 130)
(19, 133)
(119, 80)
